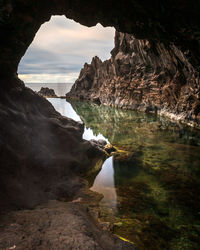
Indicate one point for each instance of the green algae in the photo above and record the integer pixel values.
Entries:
(156, 175)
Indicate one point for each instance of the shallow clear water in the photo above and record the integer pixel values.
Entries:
(151, 187)
(105, 184)
(64, 107)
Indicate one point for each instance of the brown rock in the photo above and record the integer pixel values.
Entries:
(145, 76)
(57, 225)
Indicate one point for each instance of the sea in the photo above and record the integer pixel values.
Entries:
(60, 88)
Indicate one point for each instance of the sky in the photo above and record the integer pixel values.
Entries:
(60, 49)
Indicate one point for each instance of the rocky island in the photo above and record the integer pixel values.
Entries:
(47, 93)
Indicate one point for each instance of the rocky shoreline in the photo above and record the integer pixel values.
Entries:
(60, 225)
(144, 76)
(45, 165)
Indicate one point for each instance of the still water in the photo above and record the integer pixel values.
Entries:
(151, 187)
(60, 88)
(64, 107)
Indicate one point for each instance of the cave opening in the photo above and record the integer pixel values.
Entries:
(143, 160)
(59, 50)
(44, 159)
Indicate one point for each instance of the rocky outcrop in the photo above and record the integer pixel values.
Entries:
(143, 75)
(47, 93)
(42, 154)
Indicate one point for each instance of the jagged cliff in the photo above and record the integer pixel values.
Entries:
(143, 75)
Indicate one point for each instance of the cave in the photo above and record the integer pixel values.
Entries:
(46, 190)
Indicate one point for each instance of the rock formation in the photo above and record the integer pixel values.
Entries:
(152, 77)
(56, 225)
(42, 154)
(47, 93)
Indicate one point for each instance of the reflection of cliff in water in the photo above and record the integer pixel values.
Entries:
(158, 183)
(127, 127)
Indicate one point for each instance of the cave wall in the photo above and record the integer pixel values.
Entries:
(28, 168)
(143, 75)
(42, 154)
(166, 21)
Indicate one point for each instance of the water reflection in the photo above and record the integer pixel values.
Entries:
(89, 134)
(157, 186)
(104, 184)
(66, 109)
(151, 193)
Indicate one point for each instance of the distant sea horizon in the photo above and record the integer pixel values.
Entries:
(60, 88)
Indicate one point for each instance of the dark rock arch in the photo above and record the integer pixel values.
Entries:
(166, 21)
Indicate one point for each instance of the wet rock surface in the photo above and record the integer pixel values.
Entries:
(142, 75)
(47, 93)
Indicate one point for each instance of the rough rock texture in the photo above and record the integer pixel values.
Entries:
(56, 225)
(42, 154)
(47, 93)
(166, 21)
(143, 75)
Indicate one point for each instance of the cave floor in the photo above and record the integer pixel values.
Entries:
(56, 225)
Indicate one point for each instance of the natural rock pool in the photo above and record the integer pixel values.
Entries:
(151, 186)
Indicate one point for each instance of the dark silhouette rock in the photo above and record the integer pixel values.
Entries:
(42, 154)
(142, 75)
(47, 92)
(109, 148)
(99, 144)
(158, 21)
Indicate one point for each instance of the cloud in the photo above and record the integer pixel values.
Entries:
(61, 47)
(49, 78)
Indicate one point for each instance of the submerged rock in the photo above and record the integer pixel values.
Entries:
(99, 144)
(110, 149)
(47, 92)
